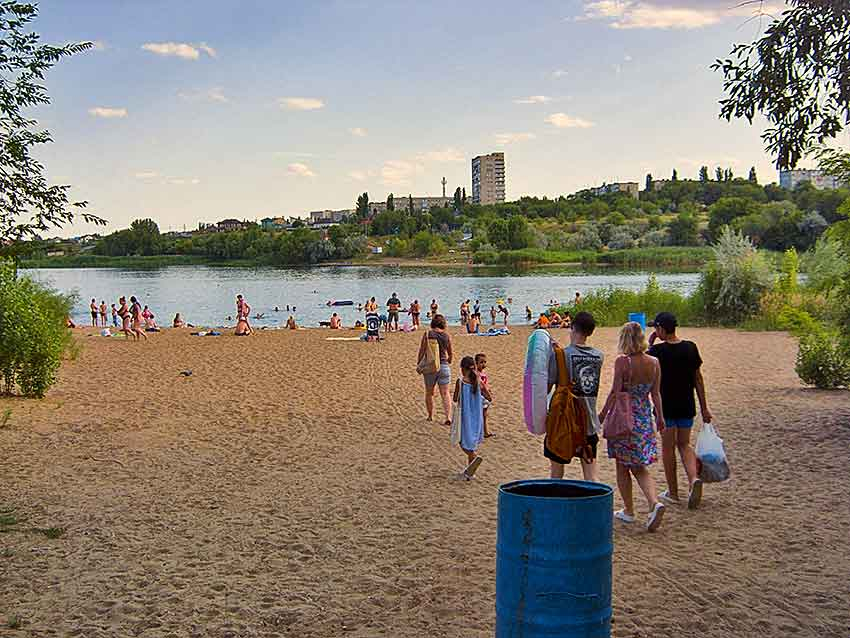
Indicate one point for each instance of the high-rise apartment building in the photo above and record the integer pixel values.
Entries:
(488, 179)
(793, 178)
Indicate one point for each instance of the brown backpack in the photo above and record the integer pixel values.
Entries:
(566, 421)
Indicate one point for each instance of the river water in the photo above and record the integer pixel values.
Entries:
(206, 295)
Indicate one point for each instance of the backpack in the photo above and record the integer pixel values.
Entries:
(566, 421)
(428, 364)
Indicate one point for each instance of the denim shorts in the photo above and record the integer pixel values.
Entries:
(684, 424)
(443, 376)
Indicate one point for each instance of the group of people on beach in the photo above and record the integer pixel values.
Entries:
(133, 320)
(661, 377)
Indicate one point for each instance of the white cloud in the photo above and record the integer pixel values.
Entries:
(627, 58)
(358, 131)
(99, 45)
(146, 175)
(559, 73)
(446, 155)
(670, 14)
(503, 139)
(214, 94)
(358, 176)
(107, 112)
(180, 181)
(179, 49)
(399, 172)
(533, 99)
(301, 103)
(298, 169)
(206, 48)
(562, 120)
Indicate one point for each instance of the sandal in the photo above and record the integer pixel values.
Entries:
(447, 422)
(621, 515)
(665, 496)
(470, 470)
(655, 516)
(695, 496)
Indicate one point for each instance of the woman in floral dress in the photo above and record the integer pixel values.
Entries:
(638, 374)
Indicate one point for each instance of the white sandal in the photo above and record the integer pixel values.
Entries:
(655, 516)
(621, 515)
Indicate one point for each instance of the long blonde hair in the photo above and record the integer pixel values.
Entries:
(632, 339)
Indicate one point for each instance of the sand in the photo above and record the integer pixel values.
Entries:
(292, 487)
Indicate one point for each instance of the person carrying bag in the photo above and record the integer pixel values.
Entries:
(566, 421)
(619, 422)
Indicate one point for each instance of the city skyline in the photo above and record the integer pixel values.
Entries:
(265, 111)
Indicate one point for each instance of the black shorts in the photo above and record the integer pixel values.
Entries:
(393, 316)
(592, 441)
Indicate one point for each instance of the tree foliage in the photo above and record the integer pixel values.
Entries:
(28, 204)
(797, 74)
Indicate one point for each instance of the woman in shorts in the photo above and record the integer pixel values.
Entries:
(443, 377)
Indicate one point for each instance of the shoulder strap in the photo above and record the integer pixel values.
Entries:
(561, 360)
(628, 373)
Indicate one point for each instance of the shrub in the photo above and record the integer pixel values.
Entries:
(789, 272)
(823, 361)
(33, 333)
(734, 281)
(611, 306)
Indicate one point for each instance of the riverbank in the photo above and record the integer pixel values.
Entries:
(666, 257)
(291, 486)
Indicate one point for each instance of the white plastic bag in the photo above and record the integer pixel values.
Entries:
(713, 464)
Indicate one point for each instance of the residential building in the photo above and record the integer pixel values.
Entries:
(488, 179)
(820, 180)
(328, 217)
(420, 204)
(273, 223)
(228, 225)
(630, 188)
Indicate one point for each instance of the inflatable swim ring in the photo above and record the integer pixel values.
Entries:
(535, 381)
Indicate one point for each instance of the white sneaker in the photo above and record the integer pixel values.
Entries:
(621, 515)
(665, 496)
(654, 520)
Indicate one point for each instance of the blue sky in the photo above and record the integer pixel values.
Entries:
(198, 110)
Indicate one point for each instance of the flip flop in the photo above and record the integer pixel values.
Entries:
(665, 496)
(447, 422)
(695, 496)
(490, 436)
(470, 470)
(655, 516)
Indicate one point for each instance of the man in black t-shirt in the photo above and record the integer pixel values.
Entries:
(393, 307)
(680, 378)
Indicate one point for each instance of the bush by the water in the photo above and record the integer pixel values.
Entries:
(824, 361)
(611, 306)
(33, 333)
(734, 281)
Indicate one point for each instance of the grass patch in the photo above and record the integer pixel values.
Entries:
(5, 419)
(50, 532)
(104, 261)
(13, 622)
(670, 256)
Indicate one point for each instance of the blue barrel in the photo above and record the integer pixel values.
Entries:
(553, 559)
(638, 317)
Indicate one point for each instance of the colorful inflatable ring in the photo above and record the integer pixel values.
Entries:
(535, 384)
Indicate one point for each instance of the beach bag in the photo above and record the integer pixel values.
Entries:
(454, 432)
(428, 364)
(711, 456)
(566, 421)
(620, 420)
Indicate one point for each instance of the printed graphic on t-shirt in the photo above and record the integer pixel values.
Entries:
(585, 372)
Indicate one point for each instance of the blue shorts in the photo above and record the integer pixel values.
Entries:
(684, 424)
(442, 377)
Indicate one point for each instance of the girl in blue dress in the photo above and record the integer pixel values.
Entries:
(469, 392)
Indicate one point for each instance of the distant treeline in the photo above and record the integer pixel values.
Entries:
(582, 227)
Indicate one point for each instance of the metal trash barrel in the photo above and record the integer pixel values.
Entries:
(553, 559)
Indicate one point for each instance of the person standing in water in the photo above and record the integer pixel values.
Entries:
(93, 310)
(114, 316)
(103, 310)
(415, 311)
(435, 309)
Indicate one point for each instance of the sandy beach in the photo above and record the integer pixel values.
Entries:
(291, 486)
